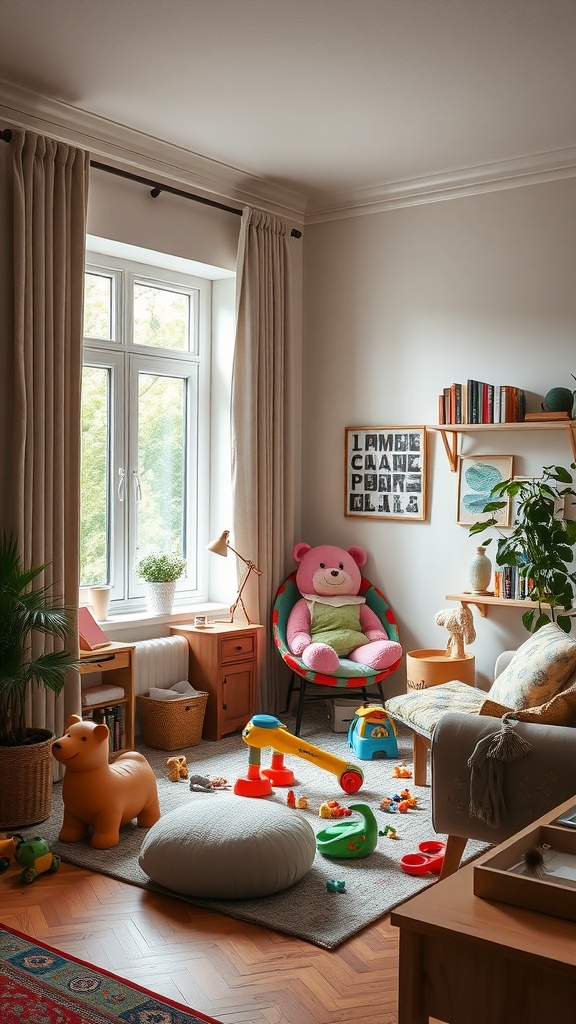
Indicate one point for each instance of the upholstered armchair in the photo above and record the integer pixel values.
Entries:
(536, 683)
(490, 800)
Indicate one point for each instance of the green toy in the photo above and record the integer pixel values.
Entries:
(351, 838)
(36, 856)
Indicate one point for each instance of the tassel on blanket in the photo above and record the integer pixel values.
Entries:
(487, 771)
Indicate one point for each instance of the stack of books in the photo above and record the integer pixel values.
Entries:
(113, 717)
(509, 584)
(478, 402)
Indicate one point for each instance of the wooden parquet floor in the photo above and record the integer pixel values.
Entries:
(234, 971)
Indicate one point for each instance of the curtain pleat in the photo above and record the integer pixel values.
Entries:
(262, 426)
(43, 200)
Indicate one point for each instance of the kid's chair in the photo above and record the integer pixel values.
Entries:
(351, 676)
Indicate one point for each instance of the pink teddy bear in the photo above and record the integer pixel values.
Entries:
(330, 621)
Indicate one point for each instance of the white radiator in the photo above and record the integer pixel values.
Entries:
(160, 662)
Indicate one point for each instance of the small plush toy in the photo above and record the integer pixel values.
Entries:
(332, 809)
(207, 783)
(331, 620)
(460, 625)
(100, 795)
(177, 768)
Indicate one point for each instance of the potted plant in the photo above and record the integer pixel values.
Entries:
(541, 542)
(26, 613)
(160, 573)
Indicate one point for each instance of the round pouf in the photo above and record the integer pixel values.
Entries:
(228, 847)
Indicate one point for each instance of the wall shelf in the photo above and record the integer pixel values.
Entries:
(450, 433)
(483, 601)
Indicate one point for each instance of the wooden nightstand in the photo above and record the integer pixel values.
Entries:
(112, 665)
(224, 663)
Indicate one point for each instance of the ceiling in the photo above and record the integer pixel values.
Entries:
(321, 97)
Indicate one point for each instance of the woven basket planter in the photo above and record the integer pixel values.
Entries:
(172, 724)
(28, 776)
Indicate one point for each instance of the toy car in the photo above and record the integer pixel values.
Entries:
(36, 856)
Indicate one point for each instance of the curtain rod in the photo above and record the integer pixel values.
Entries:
(156, 189)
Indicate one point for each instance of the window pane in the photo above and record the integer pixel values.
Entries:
(161, 317)
(94, 476)
(97, 306)
(161, 459)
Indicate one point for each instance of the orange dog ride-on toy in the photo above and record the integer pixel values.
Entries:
(100, 795)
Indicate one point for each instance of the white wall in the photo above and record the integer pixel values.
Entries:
(124, 211)
(399, 305)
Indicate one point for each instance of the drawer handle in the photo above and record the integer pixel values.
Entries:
(238, 647)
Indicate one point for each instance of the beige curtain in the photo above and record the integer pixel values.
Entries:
(43, 197)
(262, 428)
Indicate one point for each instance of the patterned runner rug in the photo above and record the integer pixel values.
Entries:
(43, 985)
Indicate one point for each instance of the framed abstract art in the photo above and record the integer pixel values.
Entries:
(477, 475)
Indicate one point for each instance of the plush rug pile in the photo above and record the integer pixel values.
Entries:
(373, 885)
(41, 984)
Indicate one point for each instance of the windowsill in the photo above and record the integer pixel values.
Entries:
(142, 622)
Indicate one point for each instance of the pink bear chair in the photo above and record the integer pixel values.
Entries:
(350, 676)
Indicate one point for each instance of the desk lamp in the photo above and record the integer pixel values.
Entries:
(221, 546)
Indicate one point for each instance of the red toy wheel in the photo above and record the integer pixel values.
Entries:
(351, 779)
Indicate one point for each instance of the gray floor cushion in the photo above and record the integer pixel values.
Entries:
(228, 847)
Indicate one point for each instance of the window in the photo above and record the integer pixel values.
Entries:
(145, 415)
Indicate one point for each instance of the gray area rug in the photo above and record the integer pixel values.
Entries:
(374, 884)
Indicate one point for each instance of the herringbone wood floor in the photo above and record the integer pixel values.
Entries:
(236, 972)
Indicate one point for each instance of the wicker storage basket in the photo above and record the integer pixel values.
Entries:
(28, 776)
(172, 724)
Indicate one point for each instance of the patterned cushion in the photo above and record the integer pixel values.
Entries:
(538, 670)
(559, 710)
(420, 710)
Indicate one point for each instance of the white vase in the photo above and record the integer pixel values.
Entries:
(160, 597)
(100, 602)
(480, 572)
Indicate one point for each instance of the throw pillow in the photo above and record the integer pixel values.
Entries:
(538, 670)
(560, 710)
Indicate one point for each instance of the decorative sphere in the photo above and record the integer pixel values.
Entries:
(559, 400)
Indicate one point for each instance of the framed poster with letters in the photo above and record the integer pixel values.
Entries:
(385, 472)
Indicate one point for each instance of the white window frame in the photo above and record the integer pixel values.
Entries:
(125, 360)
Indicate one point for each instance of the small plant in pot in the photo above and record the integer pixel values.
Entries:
(160, 574)
(541, 542)
(27, 612)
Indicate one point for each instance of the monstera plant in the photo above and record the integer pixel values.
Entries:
(541, 542)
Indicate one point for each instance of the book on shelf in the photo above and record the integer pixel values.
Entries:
(91, 636)
(441, 409)
(488, 403)
(512, 404)
(508, 582)
(538, 417)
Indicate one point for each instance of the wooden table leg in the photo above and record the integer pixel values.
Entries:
(453, 855)
(410, 987)
(420, 747)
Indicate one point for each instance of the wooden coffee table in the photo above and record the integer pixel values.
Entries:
(467, 960)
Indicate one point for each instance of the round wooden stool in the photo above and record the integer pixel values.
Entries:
(431, 668)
